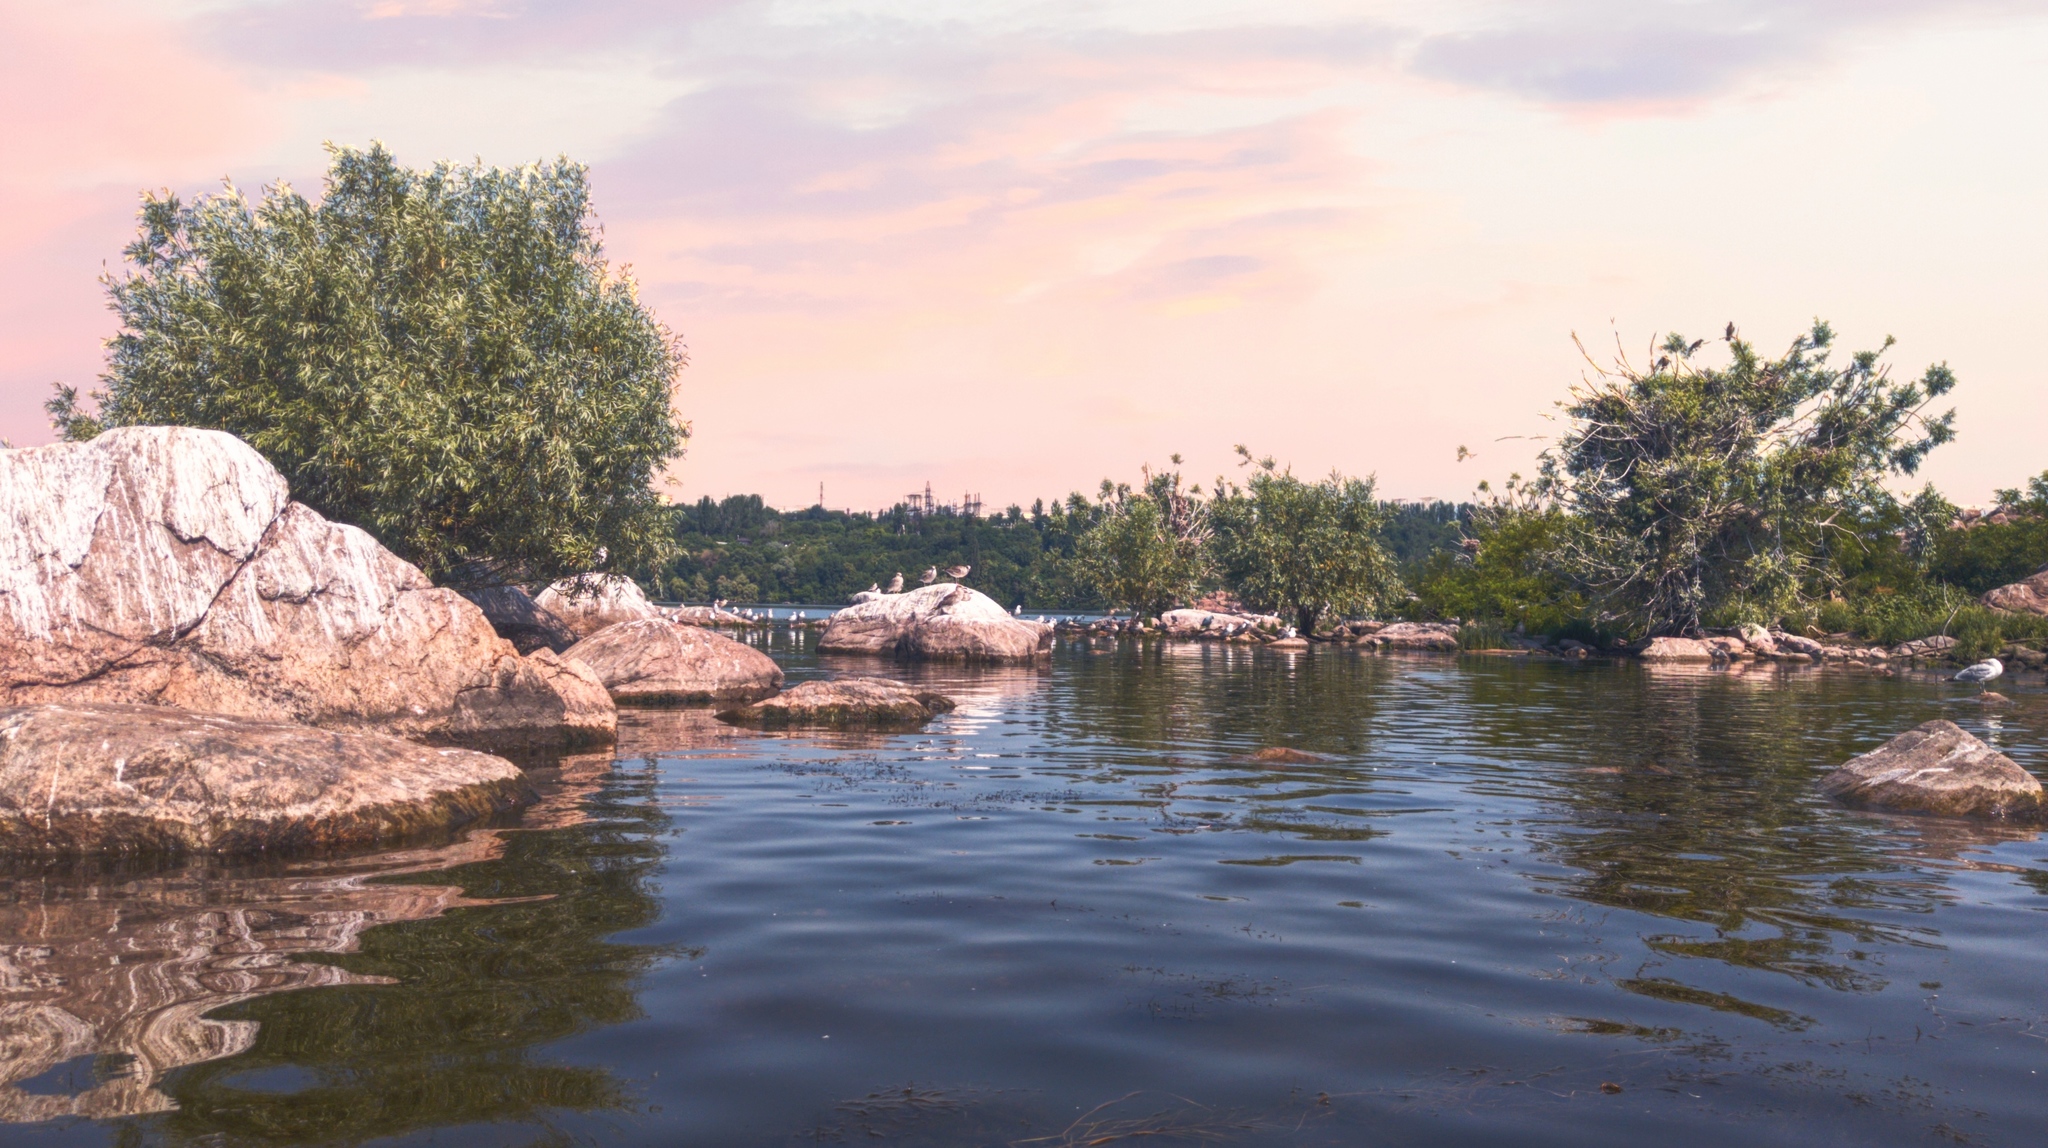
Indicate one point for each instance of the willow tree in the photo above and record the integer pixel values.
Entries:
(1720, 490)
(1304, 549)
(441, 356)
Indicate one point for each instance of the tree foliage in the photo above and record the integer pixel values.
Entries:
(1146, 550)
(442, 357)
(1697, 489)
(1304, 549)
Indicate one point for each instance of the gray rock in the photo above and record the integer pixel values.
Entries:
(1675, 650)
(109, 778)
(942, 622)
(588, 603)
(1794, 644)
(1440, 637)
(653, 661)
(1937, 768)
(843, 703)
(168, 566)
(520, 620)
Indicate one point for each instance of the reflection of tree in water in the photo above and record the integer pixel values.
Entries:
(429, 1019)
(1167, 716)
(1134, 699)
(1696, 802)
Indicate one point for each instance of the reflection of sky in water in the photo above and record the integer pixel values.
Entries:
(1478, 892)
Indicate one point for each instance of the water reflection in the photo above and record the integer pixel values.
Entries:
(125, 994)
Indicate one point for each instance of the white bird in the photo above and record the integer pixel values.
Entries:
(874, 587)
(1982, 672)
(930, 575)
(1289, 633)
(1017, 611)
(896, 583)
(958, 571)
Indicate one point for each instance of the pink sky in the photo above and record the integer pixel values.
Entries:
(1013, 248)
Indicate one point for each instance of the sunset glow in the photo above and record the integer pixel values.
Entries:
(1009, 248)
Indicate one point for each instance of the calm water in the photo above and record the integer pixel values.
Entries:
(1519, 904)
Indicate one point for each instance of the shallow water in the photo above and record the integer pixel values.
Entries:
(1516, 903)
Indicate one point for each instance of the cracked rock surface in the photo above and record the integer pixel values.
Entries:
(654, 661)
(169, 566)
(77, 779)
(1937, 767)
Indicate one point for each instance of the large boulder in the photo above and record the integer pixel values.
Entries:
(588, 603)
(520, 620)
(1937, 768)
(2028, 596)
(1436, 636)
(105, 778)
(653, 661)
(843, 703)
(169, 566)
(944, 622)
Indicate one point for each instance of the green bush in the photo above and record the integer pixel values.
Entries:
(441, 357)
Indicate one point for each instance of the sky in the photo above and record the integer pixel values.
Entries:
(1013, 248)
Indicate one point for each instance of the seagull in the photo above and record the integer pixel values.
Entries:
(1018, 612)
(930, 575)
(958, 571)
(896, 583)
(874, 587)
(1981, 673)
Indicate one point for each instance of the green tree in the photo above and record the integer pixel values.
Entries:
(442, 357)
(1146, 549)
(1718, 490)
(1305, 549)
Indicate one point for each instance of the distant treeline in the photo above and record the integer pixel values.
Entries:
(743, 550)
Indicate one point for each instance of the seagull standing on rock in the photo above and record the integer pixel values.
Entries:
(930, 575)
(958, 571)
(896, 583)
(1981, 673)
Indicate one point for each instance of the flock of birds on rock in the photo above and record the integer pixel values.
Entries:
(930, 575)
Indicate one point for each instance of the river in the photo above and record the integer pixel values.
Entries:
(1486, 901)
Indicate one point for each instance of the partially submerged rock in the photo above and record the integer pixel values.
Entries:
(1676, 650)
(1295, 643)
(169, 566)
(2027, 596)
(1937, 768)
(653, 661)
(1441, 637)
(945, 622)
(707, 616)
(109, 778)
(1286, 755)
(1795, 644)
(588, 603)
(520, 620)
(1211, 623)
(843, 703)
